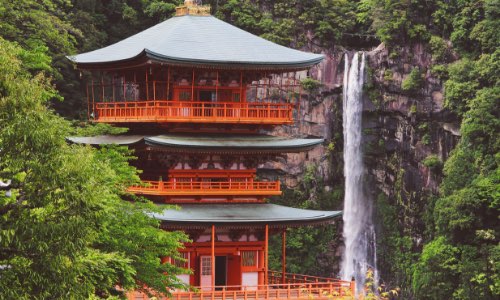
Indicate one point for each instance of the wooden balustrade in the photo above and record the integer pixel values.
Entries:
(331, 290)
(197, 187)
(194, 111)
(277, 277)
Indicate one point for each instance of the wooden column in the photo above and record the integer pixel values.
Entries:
(265, 86)
(283, 256)
(168, 83)
(217, 87)
(213, 257)
(192, 88)
(102, 87)
(93, 99)
(266, 255)
(113, 87)
(241, 86)
(88, 102)
(147, 85)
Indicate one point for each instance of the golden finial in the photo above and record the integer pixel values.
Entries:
(192, 8)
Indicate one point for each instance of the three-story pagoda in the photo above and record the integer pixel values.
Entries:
(196, 94)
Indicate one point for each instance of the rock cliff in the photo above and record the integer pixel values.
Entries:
(407, 133)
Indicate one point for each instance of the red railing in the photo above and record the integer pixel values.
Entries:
(207, 188)
(333, 290)
(187, 111)
(277, 277)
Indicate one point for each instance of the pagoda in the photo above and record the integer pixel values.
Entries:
(197, 94)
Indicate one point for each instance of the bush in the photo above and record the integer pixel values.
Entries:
(440, 71)
(433, 162)
(309, 84)
(439, 49)
(388, 75)
(426, 139)
(413, 82)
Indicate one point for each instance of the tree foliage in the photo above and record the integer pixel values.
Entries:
(65, 232)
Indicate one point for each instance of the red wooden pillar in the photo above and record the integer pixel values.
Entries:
(168, 83)
(241, 86)
(213, 257)
(217, 86)
(266, 256)
(147, 84)
(352, 287)
(102, 87)
(261, 267)
(192, 87)
(283, 256)
(93, 99)
(88, 102)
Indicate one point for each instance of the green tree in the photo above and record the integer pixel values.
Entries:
(65, 232)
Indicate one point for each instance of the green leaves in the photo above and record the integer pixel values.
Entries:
(413, 82)
(65, 232)
(436, 273)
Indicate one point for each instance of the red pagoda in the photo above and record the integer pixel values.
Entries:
(197, 94)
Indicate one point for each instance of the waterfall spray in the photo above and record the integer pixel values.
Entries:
(359, 233)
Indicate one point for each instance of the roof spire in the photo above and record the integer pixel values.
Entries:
(192, 8)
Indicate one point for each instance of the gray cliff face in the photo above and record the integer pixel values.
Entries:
(320, 116)
(401, 128)
(404, 127)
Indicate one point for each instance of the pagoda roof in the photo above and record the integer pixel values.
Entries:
(197, 41)
(206, 143)
(243, 215)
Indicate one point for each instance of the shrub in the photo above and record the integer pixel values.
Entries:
(388, 75)
(439, 49)
(433, 162)
(309, 84)
(413, 82)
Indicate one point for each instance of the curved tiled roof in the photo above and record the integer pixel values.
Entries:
(233, 142)
(199, 40)
(249, 214)
(209, 142)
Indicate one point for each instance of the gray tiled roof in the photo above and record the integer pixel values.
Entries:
(201, 40)
(233, 142)
(106, 139)
(206, 141)
(250, 213)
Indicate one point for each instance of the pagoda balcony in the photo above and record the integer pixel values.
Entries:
(208, 182)
(169, 188)
(298, 287)
(194, 112)
(194, 100)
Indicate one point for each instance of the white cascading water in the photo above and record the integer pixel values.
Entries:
(359, 233)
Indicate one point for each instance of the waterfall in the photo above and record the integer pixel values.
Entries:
(359, 233)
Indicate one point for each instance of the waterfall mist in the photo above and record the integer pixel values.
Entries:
(359, 233)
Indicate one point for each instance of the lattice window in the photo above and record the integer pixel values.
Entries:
(206, 265)
(249, 258)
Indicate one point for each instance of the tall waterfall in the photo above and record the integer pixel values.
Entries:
(359, 233)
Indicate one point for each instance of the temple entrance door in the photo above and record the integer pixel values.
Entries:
(220, 271)
(205, 272)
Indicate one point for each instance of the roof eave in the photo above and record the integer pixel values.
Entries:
(147, 57)
(182, 224)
